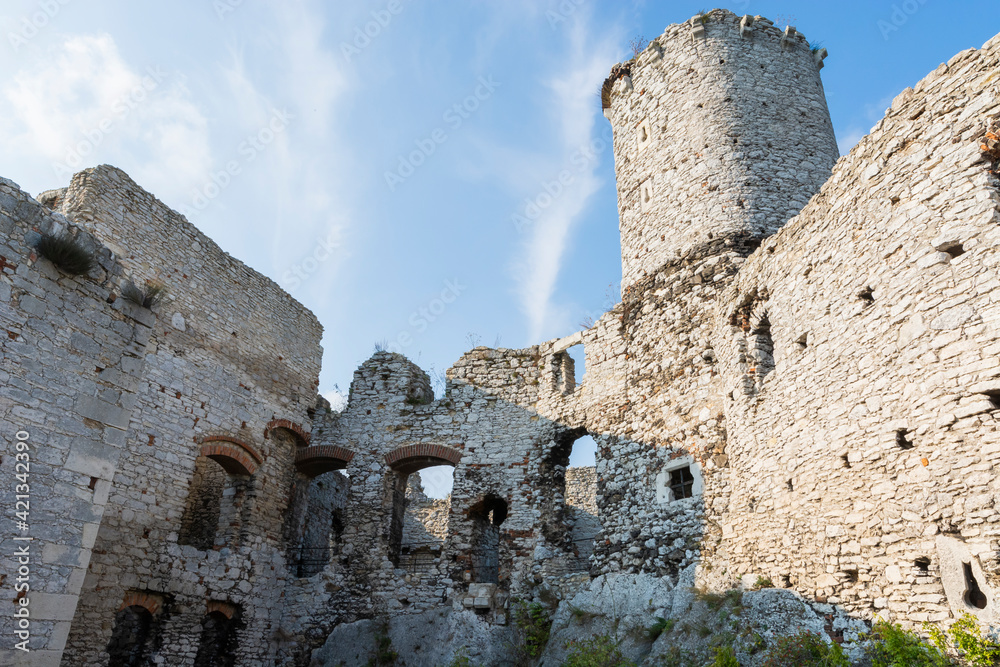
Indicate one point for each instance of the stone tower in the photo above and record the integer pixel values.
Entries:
(721, 135)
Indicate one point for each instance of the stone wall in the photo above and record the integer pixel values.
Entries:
(506, 522)
(863, 461)
(229, 356)
(581, 501)
(72, 356)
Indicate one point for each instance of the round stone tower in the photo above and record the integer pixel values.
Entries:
(721, 134)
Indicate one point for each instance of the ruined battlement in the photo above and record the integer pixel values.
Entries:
(213, 298)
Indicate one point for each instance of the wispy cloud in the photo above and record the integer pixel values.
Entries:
(575, 114)
(305, 184)
(82, 104)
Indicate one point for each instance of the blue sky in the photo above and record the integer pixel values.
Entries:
(371, 157)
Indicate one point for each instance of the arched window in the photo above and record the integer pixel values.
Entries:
(425, 524)
(317, 537)
(314, 520)
(217, 644)
(129, 643)
(136, 633)
(403, 462)
(218, 499)
(756, 345)
(569, 510)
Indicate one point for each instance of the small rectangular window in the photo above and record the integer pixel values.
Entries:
(682, 483)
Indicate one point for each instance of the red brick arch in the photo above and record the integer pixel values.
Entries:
(226, 609)
(416, 457)
(318, 459)
(235, 456)
(148, 601)
(290, 426)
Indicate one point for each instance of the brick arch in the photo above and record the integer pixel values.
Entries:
(225, 608)
(318, 459)
(235, 456)
(416, 457)
(148, 601)
(295, 429)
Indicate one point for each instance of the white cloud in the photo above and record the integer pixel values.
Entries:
(82, 105)
(337, 398)
(437, 481)
(311, 193)
(577, 110)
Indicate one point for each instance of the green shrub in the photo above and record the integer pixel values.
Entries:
(716, 601)
(966, 636)
(763, 582)
(675, 656)
(805, 649)
(892, 646)
(534, 621)
(599, 651)
(461, 659)
(724, 657)
(658, 627)
(581, 615)
(65, 252)
(384, 653)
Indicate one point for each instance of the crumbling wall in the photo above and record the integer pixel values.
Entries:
(863, 463)
(71, 356)
(486, 428)
(426, 518)
(230, 374)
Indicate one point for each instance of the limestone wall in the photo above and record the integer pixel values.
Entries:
(581, 499)
(426, 520)
(71, 356)
(863, 459)
(229, 357)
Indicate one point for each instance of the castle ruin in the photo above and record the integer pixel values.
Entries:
(800, 383)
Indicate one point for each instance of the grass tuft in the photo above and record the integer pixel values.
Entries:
(146, 296)
(66, 252)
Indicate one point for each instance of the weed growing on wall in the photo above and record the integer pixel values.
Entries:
(66, 252)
